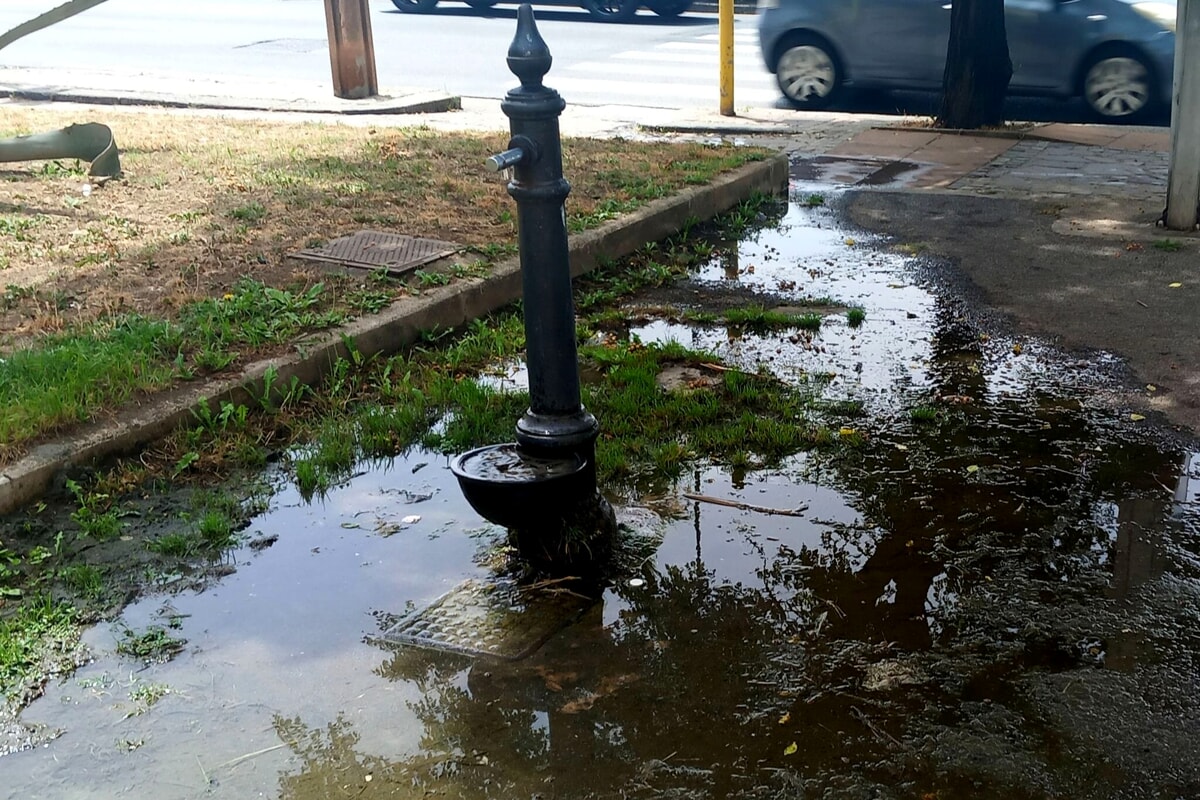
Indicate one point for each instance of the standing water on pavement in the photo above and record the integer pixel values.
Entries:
(996, 595)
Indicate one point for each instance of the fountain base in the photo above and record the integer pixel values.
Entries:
(557, 520)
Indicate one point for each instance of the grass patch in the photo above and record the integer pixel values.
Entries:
(855, 317)
(650, 432)
(76, 377)
(759, 319)
(85, 581)
(924, 414)
(36, 641)
(1168, 245)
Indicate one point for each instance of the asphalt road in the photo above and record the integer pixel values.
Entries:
(652, 61)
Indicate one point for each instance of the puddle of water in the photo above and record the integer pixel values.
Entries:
(822, 171)
(999, 602)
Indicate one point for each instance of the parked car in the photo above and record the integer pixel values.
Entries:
(1117, 55)
(605, 10)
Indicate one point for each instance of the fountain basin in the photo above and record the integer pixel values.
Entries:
(517, 489)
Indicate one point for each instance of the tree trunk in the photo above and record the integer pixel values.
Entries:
(977, 66)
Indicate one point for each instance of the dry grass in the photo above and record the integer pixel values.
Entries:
(206, 201)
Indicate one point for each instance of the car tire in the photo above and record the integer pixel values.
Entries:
(1119, 86)
(669, 8)
(808, 72)
(612, 10)
(415, 6)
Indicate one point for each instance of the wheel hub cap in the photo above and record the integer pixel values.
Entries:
(1117, 87)
(806, 73)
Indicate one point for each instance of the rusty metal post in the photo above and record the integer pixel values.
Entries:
(351, 48)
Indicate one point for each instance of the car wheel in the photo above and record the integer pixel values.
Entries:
(415, 6)
(808, 73)
(1119, 87)
(612, 10)
(670, 8)
(481, 5)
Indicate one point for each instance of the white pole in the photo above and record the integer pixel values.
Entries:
(1183, 185)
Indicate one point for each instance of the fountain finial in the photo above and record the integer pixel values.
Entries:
(528, 56)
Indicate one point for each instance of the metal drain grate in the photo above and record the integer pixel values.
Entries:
(375, 250)
(501, 620)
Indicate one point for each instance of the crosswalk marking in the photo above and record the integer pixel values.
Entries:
(577, 87)
(703, 68)
(685, 71)
(745, 36)
(739, 57)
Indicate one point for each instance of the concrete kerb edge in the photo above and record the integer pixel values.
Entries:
(400, 325)
(425, 105)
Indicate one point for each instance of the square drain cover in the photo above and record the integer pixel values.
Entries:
(375, 250)
(501, 620)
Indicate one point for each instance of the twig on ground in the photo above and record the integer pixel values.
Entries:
(718, 501)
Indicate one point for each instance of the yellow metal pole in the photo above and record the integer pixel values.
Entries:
(725, 24)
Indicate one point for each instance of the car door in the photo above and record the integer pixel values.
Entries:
(1042, 41)
(892, 42)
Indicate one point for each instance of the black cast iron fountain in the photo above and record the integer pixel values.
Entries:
(543, 486)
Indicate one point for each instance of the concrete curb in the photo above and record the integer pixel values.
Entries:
(411, 103)
(400, 325)
(724, 128)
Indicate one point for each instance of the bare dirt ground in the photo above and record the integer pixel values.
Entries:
(204, 201)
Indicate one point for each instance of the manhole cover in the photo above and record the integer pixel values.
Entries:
(501, 620)
(374, 250)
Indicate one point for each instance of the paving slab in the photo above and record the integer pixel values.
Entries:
(1115, 136)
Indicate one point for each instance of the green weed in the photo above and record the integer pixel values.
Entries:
(924, 414)
(42, 633)
(174, 545)
(251, 212)
(85, 581)
(152, 646)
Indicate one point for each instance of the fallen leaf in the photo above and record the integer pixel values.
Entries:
(973, 468)
(847, 432)
(850, 242)
(1136, 417)
(786, 718)
(791, 749)
(901, 447)
(1017, 348)
(1175, 285)
(1150, 387)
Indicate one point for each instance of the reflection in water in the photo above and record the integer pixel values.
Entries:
(762, 656)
